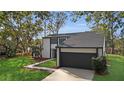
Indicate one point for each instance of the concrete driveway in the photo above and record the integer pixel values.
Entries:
(70, 74)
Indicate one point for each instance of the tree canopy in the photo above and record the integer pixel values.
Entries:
(110, 23)
(19, 28)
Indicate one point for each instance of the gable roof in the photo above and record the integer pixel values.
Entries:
(84, 39)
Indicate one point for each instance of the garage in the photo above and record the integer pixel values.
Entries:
(76, 57)
(76, 60)
(78, 51)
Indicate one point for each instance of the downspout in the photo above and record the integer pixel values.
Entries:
(104, 47)
(50, 48)
(58, 41)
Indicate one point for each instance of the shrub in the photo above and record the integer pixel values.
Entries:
(100, 65)
(36, 51)
(10, 52)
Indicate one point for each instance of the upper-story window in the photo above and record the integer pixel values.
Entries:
(54, 40)
(59, 40)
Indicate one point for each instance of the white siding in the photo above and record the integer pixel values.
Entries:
(79, 50)
(100, 52)
(58, 57)
(46, 48)
(53, 46)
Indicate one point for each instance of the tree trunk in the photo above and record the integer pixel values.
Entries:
(112, 45)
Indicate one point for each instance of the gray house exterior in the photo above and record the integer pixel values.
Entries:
(74, 49)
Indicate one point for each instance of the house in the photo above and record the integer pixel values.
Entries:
(74, 49)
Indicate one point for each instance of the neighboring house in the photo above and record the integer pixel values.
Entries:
(74, 49)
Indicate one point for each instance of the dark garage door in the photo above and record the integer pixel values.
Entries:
(77, 60)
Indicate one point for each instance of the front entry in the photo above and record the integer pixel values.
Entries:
(53, 53)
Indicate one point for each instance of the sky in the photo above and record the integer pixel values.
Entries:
(70, 27)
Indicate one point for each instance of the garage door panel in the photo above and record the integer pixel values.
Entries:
(77, 60)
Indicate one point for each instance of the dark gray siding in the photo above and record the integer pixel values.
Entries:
(54, 40)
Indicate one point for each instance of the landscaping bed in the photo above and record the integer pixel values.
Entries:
(39, 59)
(12, 69)
(115, 69)
(49, 64)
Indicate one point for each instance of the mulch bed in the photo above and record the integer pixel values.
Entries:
(38, 59)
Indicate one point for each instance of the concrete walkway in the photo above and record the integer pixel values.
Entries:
(34, 66)
(70, 74)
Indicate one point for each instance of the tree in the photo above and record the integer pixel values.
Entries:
(122, 31)
(44, 16)
(122, 39)
(20, 28)
(56, 21)
(108, 21)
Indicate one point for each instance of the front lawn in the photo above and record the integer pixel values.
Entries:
(50, 64)
(12, 69)
(115, 68)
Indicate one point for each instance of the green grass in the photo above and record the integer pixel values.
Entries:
(115, 68)
(12, 69)
(50, 64)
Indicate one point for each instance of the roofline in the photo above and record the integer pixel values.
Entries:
(64, 34)
(74, 32)
(55, 36)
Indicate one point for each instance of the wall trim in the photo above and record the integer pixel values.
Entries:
(59, 56)
(79, 50)
(50, 47)
(77, 47)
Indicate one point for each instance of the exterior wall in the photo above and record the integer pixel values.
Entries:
(104, 47)
(46, 48)
(83, 50)
(53, 46)
(58, 57)
(53, 53)
(58, 40)
(79, 50)
(54, 40)
(61, 40)
(100, 52)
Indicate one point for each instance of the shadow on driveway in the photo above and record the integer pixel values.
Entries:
(70, 74)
